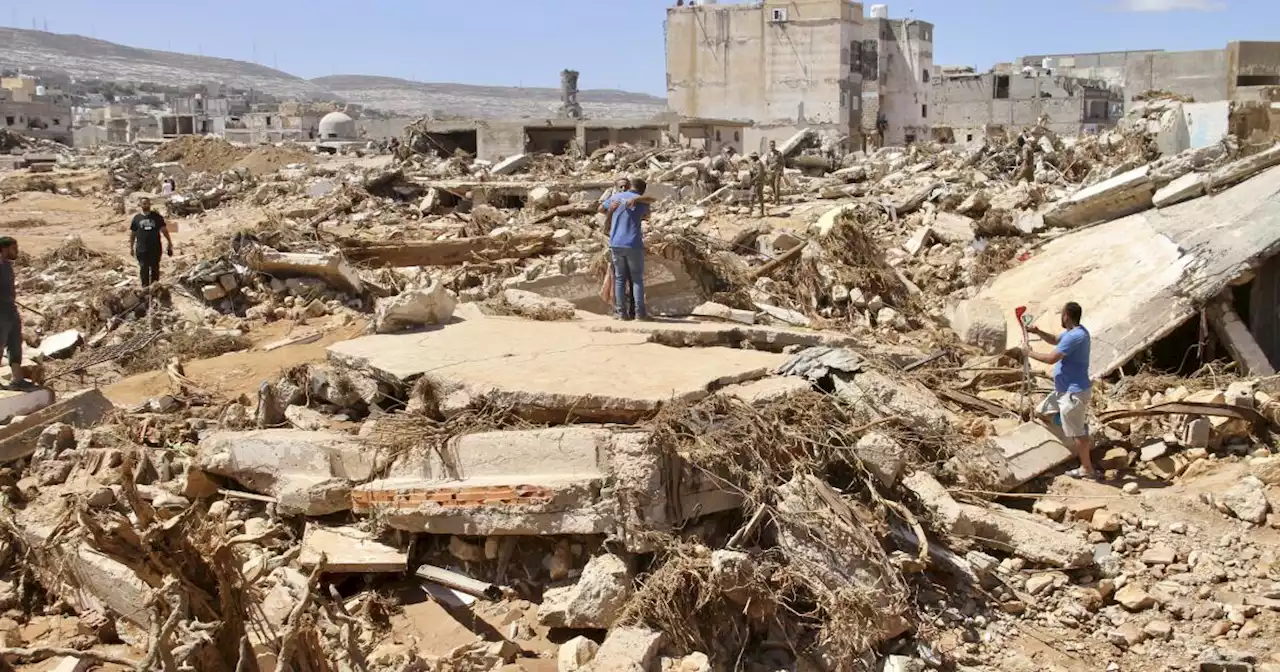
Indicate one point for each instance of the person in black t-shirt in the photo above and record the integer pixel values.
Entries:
(144, 240)
(10, 321)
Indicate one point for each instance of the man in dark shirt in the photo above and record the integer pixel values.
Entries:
(10, 320)
(144, 240)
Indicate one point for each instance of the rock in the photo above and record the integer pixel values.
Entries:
(305, 418)
(883, 456)
(1127, 635)
(465, 551)
(1040, 583)
(939, 504)
(536, 306)
(694, 662)
(1050, 508)
(576, 654)
(1197, 433)
(1160, 630)
(595, 601)
(723, 312)
(414, 308)
(980, 322)
(628, 649)
(1131, 488)
(1115, 458)
(917, 240)
(1153, 451)
(1134, 598)
(1266, 469)
(1159, 555)
(1247, 501)
(1105, 521)
(951, 228)
(213, 292)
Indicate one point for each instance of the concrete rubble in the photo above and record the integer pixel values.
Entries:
(385, 420)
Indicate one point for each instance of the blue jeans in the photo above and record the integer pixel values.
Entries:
(628, 264)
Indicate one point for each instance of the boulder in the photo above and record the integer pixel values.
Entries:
(951, 228)
(576, 654)
(1134, 598)
(882, 456)
(1247, 501)
(537, 306)
(595, 601)
(628, 649)
(414, 308)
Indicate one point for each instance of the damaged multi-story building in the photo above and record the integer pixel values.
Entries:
(971, 105)
(787, 65)
(28, 109)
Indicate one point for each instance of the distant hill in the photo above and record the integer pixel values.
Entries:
(41, 53)
(405, 97)
(38, 52)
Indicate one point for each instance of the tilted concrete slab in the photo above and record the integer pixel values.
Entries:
(1028, 451)
(82, 409)
(551, 370)
(692, 333)
(14, 403)
(668, 288)
(349, 550)
(86, 579)
(566, 480)
(1139, 277)
(1121, 195)
(309, 473)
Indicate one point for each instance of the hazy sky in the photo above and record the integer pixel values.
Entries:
(614, 43)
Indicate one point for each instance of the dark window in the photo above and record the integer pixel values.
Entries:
(57, 121)
(969, 138)
(8, 121)
(924, 76)
(1002, 87)
(717, 136)
(736, 136)
(924, 111)
(911, 138)
(1258, 80)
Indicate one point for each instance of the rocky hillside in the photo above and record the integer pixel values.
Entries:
(87, 58)
(401, 96)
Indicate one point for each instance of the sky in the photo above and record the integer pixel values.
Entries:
(615, 44)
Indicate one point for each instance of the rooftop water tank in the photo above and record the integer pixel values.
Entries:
(1047, 64)
(879, 11)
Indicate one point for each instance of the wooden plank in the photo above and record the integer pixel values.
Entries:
(1240, 343)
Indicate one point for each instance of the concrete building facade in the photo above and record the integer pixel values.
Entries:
(783, 64)
(50, 119)
(896, 60)
(970, 105)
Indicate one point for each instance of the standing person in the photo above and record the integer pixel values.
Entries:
(620, 186)
(10, 320)
(1072, 388)
(757, 179)
(144, 240)
(627, 211)
(775, 165)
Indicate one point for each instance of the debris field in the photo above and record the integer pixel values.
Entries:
(377, 416)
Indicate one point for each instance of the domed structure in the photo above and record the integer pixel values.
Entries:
(337, 126)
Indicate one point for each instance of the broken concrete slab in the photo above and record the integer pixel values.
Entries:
(793, 144)
(980, 323)
(349, 550)
(669, 288)
(699, 334)
(511, 164)
(332, 267)
(952, 228)
(82, 409)
(767, 390)
(414, 308)
(536, 306)
(1121, 195)
(86, 579)
(628, 649)
(882, 455)
(1026, 452)
(946, 511)
(551, 369)
(1236, 336)
(564, 480)
(1185, 188)
(1245, 168)
(23, 402)
(876, 396)
(1029, 536)
(595, 600)
(309, 473)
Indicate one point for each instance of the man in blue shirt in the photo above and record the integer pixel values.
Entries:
(627, 211)
(1071, 385)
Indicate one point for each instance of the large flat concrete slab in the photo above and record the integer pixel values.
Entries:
(694, 333)
(552, 369)
(82, 409)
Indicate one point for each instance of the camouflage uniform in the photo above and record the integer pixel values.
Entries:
(758, 178)
(775, 164)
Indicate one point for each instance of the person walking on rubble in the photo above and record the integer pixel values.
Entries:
(10, 319)
(757, 178)
(775, 164)
(1072, 387)
(144, 241)
(626, 213)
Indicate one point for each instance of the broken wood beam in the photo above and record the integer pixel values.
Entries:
(783, 258)
(459, 582)
(1235, 335)
(569, 210)
(454, 251)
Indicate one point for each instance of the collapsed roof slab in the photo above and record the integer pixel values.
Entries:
(1140, 277)
(551, 370)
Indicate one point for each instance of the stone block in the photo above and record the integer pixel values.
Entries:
(1028, 536)
(349, 550)
(981, 323)
(628, 649)
(414, 308)
(594, 601)
(18, 438)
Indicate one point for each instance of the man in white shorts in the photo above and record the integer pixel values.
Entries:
(1071, 385)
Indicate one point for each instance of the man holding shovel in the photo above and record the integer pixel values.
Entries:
(1071, 384)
